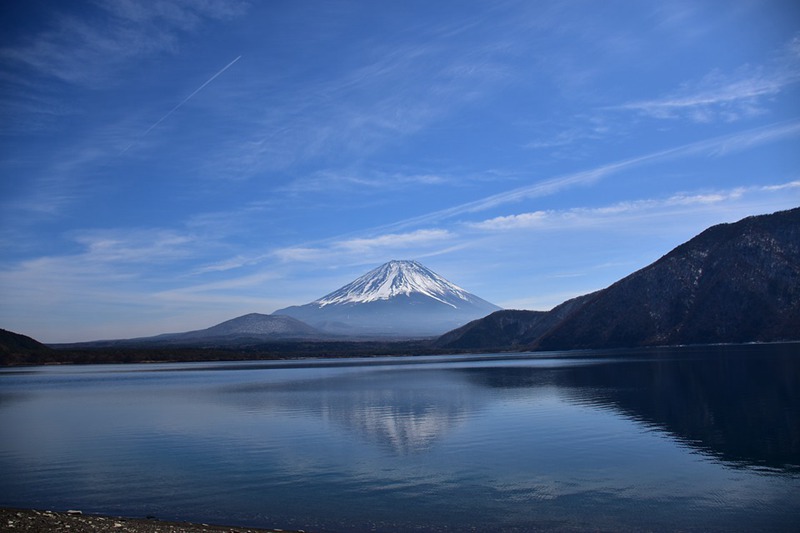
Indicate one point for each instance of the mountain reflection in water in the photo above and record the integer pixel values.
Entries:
(683, 439)
(405, 414)
(738, 406)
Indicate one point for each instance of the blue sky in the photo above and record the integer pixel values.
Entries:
(166, 165)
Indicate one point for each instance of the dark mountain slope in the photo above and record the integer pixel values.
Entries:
(16, 348)
(11, 342)
(507, 329)
(732, 283)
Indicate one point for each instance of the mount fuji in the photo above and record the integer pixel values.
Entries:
(397, 299)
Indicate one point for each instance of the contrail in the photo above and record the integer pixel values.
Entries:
(171, 111)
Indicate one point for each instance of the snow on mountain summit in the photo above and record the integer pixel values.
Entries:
(397, 299)
(397, 278)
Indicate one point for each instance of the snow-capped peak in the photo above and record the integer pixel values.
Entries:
(397, 278)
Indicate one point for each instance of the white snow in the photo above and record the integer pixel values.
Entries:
(396, 278)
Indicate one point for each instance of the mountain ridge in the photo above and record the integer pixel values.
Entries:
(732, 283)
(508, 328)
(400, 298)
(249, 329)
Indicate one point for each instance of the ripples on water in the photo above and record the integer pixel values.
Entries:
(659, 440)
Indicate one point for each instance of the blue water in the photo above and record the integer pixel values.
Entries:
(682, 439)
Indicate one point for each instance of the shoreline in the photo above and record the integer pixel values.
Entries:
(35, 521)
(363, 350)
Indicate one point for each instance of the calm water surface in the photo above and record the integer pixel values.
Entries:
(682, 439)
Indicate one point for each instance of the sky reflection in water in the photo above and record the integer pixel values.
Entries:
(664, 440)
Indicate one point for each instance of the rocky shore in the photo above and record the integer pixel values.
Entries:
(27, 520)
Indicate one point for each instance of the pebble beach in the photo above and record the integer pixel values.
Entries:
(28, 520)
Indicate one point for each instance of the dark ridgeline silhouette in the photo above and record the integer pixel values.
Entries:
(733, 283)
(15, 346)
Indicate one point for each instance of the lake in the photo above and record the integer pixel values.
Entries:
(690, 439)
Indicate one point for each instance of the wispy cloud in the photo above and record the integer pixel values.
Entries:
(233, 263)
(591, 129)
(105, 272)
(725, 96)
(125, 253)
(364, 182)
(715, 146)
(57, 79)
(394, 240)
(75, 299)
(510, 222)
(379, 242)
(368, 248)
(58, 183)
(127, 247)
(387, 239)
(87, 50)
(230, 290)
(362, 109)
(715, 97)
(89, 47)
(624, 213)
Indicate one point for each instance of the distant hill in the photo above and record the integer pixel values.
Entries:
(18, 349)
(253, 325)
(11, 342)
(397, 299)
(508, 329)
(250, 329)
(732, 283)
